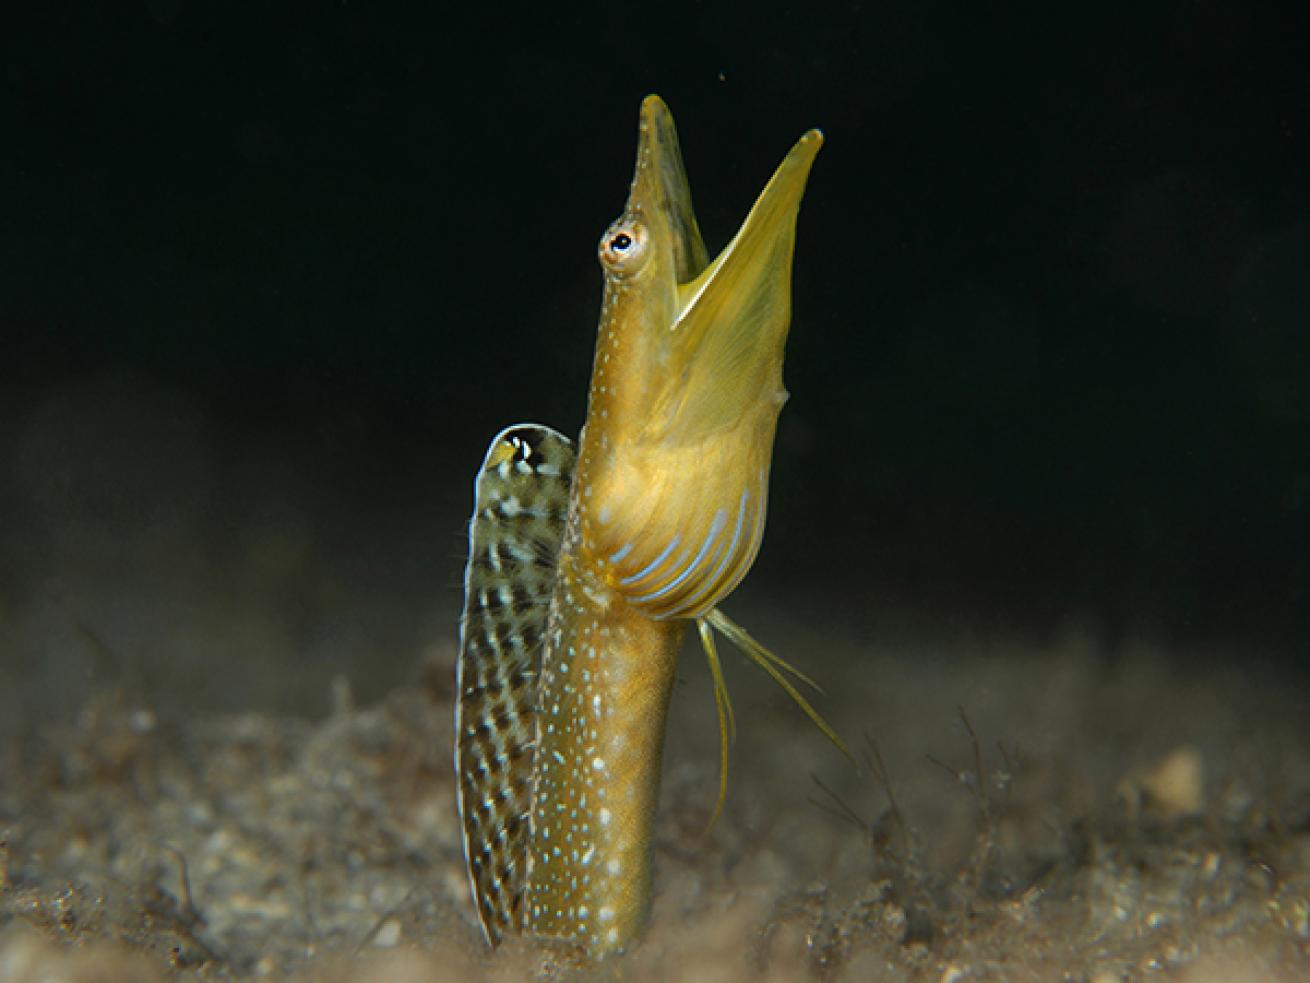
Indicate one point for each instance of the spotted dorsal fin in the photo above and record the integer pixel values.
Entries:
(521, 502)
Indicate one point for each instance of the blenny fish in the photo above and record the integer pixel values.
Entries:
(586, 565)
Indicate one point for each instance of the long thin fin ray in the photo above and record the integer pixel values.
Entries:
(775, 666)
(723, 708)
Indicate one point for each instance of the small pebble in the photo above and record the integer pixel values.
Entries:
(388, 935)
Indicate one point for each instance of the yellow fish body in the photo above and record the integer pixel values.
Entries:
(584, 571)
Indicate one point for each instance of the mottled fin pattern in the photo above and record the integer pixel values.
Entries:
(522, 500)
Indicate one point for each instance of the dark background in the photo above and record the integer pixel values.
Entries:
(271, 278)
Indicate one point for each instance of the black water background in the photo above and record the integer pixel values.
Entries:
(1051, 353)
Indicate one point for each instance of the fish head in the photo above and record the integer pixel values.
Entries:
(691, 344)
(687, 383)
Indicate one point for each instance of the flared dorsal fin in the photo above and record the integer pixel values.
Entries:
(521, 503)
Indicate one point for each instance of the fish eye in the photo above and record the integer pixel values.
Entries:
(623, 246)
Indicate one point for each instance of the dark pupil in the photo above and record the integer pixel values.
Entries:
(621, 242)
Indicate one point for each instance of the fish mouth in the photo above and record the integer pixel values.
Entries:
(660, 193)
(660, 197)
(758, 259)
(729, 324)
(711, 332)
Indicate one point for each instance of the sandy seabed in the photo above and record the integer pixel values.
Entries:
(225, 750)
(1022, 812)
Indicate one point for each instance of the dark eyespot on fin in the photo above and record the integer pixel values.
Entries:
(521, 502)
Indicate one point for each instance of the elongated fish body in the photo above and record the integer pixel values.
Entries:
(584, 572)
